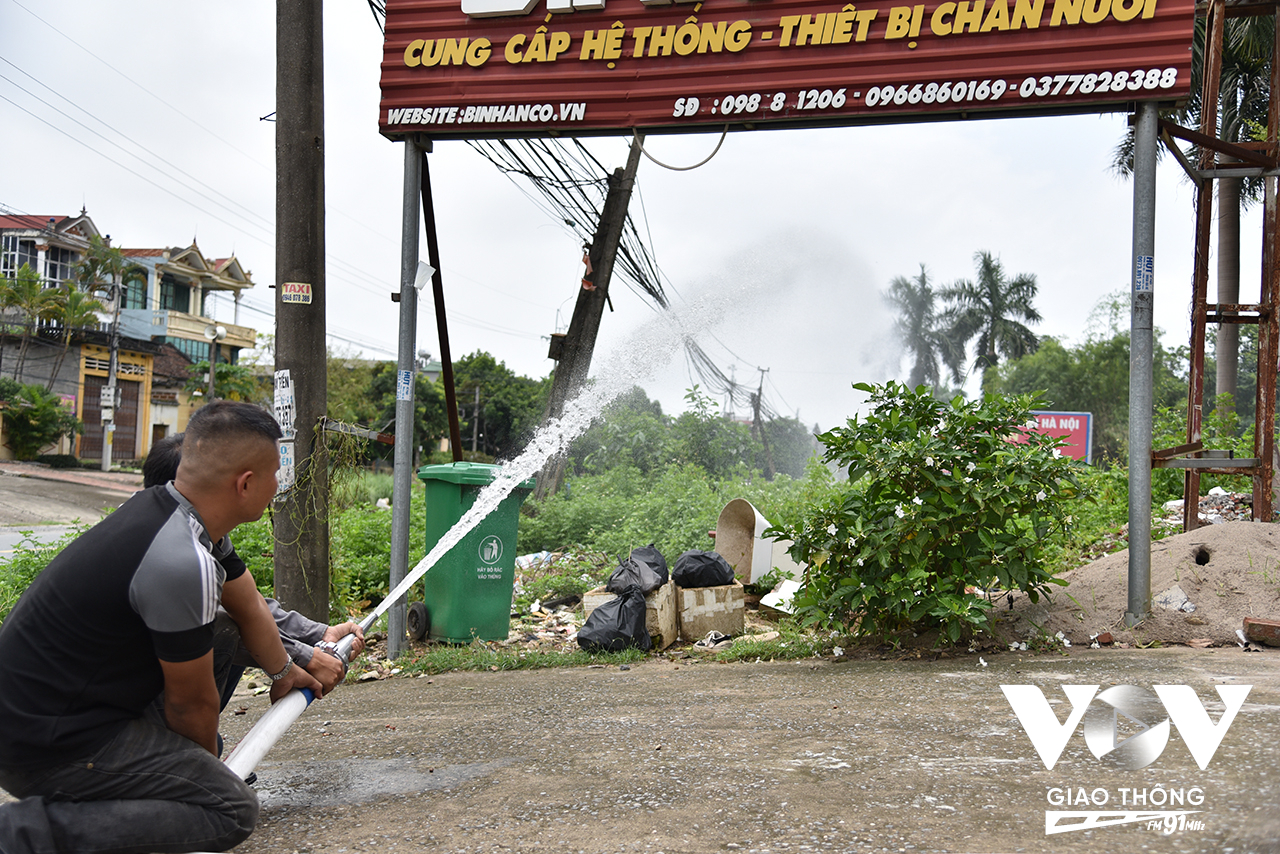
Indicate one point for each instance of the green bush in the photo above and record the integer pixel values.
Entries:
(362, 489)
(622, 508)
(940, 506)
(59, 461)
(34, 418)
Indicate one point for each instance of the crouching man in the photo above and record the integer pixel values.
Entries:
(126, 614)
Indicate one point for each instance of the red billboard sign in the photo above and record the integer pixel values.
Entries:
(491, 68)
(1075, 427)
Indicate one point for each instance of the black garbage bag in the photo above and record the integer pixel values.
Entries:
(616, 625)
(646, 569)
(696, 568)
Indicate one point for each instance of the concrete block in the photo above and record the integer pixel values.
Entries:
(707, 609)
(660, 617)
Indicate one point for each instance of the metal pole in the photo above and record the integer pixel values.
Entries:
(213, 358)
(405, 371)
(113, 368)
(1141, 343)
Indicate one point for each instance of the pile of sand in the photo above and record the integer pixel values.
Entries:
(1203, 584)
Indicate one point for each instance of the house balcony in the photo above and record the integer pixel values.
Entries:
(146, 324)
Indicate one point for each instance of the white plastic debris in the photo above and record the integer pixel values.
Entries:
(780, 598)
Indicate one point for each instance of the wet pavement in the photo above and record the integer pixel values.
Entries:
(674, 756)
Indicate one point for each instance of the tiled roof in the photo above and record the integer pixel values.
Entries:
(26, 220)
(142, 253)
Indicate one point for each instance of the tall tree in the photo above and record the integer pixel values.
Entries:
(920, 329)
(26, 292)
(994, 309)
(74, 309)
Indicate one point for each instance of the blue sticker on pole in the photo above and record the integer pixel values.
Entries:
(404, 385)
(1144, 275)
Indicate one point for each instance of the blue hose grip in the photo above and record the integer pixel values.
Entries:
(308, 693)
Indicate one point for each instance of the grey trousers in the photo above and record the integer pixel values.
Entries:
(147, 790)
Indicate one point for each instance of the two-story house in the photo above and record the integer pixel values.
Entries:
(162, 323)
(38, 350)
(187, 299)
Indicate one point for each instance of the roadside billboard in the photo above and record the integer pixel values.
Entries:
(1075, 427)
(519, 68)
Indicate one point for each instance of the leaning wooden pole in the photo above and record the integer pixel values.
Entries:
(302, 520)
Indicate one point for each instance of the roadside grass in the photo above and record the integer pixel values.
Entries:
(792, 642)
(479, 657)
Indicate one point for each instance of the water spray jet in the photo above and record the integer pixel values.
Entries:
(648, 348)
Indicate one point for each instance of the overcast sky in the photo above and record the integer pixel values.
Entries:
(148, 115)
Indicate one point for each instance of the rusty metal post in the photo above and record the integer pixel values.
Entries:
(1211, 73)
(1268, 322)
(442, 323)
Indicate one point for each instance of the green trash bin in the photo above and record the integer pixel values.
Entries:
(468, 592)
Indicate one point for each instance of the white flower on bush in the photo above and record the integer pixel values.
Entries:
(860, 564)
(971, 466)
(831, 529)
(928, 461)
(1040, 496)
(1032, 424)
(837, 651)
(899, 512)
(917, 501)
(853, 541)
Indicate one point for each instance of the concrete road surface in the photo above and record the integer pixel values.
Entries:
(808, 756)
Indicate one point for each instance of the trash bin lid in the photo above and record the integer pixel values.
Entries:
(467, 474)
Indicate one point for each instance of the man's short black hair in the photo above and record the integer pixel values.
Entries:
(227, 419)
(161, 464)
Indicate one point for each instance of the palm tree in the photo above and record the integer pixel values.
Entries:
(919, 327)
(27, 293)
(75, 309)
(992, 308)
(104, 266)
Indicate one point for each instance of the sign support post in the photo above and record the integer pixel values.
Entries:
(403, 478)
(1141, 344)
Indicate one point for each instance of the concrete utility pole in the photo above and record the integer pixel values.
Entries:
(108, 392)
(302, 515)
(580, 340)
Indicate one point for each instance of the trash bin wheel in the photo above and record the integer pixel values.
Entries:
(419, 621)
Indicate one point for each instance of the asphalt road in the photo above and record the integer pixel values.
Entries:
(672, 756)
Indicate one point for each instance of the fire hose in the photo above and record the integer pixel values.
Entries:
(272, 725)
